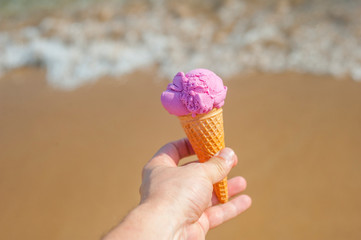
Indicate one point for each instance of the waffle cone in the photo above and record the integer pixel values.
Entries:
(206, 135)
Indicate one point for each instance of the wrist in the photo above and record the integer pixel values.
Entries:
(149, 220)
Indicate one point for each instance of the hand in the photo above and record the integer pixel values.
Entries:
(179, 202)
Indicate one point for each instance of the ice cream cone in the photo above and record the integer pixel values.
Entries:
(206, 135)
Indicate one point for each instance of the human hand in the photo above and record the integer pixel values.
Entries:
(178, 202)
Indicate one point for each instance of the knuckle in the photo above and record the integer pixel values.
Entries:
(146, 170)
(218, 164)
(215, 169)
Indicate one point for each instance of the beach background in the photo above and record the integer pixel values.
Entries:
(80, 112)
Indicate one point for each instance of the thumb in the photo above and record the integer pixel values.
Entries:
(220, 164)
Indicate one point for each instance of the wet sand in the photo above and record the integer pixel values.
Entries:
(70, 162)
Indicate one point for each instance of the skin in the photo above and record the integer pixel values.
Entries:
(178, 202)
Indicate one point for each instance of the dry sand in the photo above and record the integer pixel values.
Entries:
(70, 162)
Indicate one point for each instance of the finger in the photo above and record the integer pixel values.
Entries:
(224, 212)
(197, 161)
(171, 153)
(219, 165)
(185, 164)
(235, 186)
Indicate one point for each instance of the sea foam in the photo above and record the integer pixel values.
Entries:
(237, 37)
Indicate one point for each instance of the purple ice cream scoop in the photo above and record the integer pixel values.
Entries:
(196, 92)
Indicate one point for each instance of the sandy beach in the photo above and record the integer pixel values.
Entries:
(70, 161)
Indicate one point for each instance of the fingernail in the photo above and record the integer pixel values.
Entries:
(228, 155)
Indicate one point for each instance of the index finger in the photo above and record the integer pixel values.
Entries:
(171, 153)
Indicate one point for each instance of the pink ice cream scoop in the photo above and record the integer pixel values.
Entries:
(197, 92)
